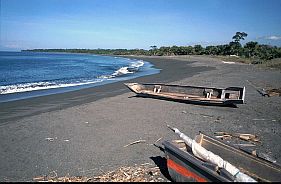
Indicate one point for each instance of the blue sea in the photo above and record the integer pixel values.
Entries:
(29, 74)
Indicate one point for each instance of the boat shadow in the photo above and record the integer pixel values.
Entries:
(188, 102)
(161, 162)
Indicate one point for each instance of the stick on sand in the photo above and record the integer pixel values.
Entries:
(135, 142)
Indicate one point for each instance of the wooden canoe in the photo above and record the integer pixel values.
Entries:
(190, 94)
(183, 166)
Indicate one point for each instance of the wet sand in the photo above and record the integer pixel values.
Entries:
(84, 132)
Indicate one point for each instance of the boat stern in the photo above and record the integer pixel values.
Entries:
(134, 87)
(243, 94)
(185, 167)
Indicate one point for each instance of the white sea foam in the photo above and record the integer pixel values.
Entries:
(9, 89)
(132, 68)
(138, 64)
(25, 87)
(122, 71)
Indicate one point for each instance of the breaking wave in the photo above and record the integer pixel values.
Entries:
(134, 67)
(25, 87)
(39, 86)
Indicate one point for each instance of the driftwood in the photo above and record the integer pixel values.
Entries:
(244, 145)
(245, 137)
(158, 140)
(50, 139)
(274, 92)
(261, 91)
(135, 142)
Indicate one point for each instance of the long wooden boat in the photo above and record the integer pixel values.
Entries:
(183, 166)
(190, 94)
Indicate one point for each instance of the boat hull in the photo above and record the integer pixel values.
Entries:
(190, 94)
(197, 102)
(183, 166)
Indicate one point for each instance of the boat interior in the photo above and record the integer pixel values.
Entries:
(250, 164)
(187, 92)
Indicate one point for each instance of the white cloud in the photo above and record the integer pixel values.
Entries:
(15, 45)
(273, 38)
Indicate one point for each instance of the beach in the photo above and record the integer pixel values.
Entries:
(84, 132)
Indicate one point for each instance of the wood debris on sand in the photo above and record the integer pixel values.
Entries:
(141, 173)
(274, 92)
(53, 177)
(245, 137)
(135, 142)
(138, 173)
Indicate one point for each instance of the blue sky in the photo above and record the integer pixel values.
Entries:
(28, 24)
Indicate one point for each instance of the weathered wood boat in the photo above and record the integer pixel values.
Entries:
(190, 94)
(184, 166)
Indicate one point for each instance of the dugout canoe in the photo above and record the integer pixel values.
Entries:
(190, 94)
(184, 166)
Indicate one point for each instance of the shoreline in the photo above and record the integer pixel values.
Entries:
(14, 110)
(84, 133)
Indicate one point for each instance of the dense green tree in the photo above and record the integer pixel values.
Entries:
(198, 49)
(189, 50)
(174, 50)
(239, 36)
(211, 50)
(224, 49)
(153, 49)
(235, 48)
(250, 50)
(165, 51)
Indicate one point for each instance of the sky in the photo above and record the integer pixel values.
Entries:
(130, 24)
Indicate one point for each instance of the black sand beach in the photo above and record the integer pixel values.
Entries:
(84, 132)
(32, 106)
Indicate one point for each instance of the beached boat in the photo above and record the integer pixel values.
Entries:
(184, 166)
(190, 94)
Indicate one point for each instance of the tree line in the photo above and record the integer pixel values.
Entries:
(249, 50)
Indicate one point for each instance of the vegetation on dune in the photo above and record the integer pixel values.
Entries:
(252, 51)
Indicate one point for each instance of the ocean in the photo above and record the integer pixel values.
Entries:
(30, 74)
